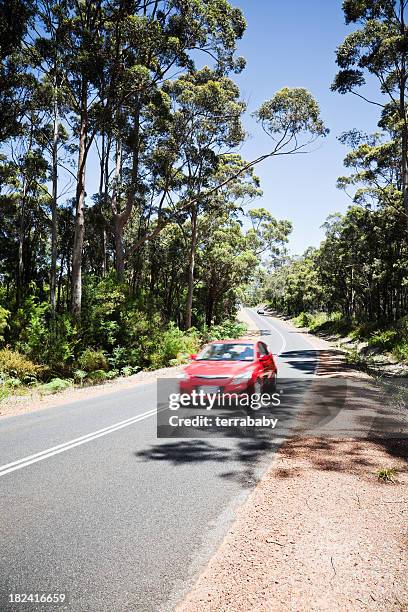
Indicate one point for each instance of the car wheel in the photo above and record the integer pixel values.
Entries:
(257, 387)
(272, 383)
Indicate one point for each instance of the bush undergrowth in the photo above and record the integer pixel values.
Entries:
(115, 338)
(391, 339)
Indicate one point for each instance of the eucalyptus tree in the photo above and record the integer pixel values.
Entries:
(292, 120)
(24, 196)
(15, 17)
(206, 123)
(154, 42)
(379, 48)
(267, 235)
(45, 55)
(225, 264)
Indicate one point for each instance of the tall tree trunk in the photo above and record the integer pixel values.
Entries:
(403, 115)
(54, 208)
(121, 217)
(20, 263)
(118, 222)
(119, 246)
(103, 189)
(76, 297)
(191, 264)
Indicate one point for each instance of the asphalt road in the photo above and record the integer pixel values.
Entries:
(93, 505)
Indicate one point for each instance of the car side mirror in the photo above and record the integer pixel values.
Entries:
(193, 356)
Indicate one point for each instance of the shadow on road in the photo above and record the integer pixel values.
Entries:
(247, 453)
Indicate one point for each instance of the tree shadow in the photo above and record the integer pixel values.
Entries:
(305, 361)
(359, 457)
(248, 453)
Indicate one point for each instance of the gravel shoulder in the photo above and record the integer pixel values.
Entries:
(319, 532)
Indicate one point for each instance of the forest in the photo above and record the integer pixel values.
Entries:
(357, 280)
(127, 236)
(130, 229)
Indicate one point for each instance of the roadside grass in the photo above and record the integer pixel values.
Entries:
(387, 475)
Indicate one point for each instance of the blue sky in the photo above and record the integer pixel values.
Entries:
(293, 44)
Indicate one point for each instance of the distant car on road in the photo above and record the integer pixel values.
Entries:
(261, 310)
(230, 366)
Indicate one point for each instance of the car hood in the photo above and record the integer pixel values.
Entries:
(217, 368)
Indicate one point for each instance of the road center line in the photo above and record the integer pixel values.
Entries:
(282, 337)
(60, 448)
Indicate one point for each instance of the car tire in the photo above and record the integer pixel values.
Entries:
(257, 387)
(272, 383)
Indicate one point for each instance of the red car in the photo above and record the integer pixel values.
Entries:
(230, 366)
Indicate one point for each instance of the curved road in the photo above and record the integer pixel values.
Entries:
(95, 506)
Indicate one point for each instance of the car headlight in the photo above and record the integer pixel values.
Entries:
(241, 377)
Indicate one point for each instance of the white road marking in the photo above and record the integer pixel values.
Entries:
(282, 337)
(60, 448)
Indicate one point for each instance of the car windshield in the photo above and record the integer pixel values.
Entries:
(227, 352)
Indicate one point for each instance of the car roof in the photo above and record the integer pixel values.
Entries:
(234, 341)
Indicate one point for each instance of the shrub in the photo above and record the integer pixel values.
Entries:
(229, 329)
(13, 364)
(303, 319)
(174, 346)
(122, 357)
(129, 370)
(51, 342)
(317, 320)
(384, 340)
(79, 376)
(97, 376)
(387, 474)
(401, 350)
(112, 374)
(354, 358)
(55, 385)
(4, 314)
(91, 360)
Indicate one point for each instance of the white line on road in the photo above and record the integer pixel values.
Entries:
(60, 448)
(282, 337)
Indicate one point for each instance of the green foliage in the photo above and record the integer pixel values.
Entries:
(355, 358)
(4, 315)
(79, 376)
(229, 329)
(323, 323)
(400, 350)
(13, 364)
(42, 339)
(97, 376)
(91, 360)
(128, 370)
(291, 112)
(394, 339)
(387, 474)
(55, 385)
(303, 319)
(174, 347)
(383, 340)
